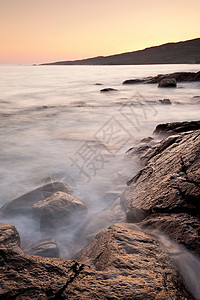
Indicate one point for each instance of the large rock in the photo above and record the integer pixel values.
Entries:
(59, 210)
(23, 204)
(136, 260)
(176, 127)
(9, 237)
(45, 248)
(169, 183)
(181, 227)
(167, 82)
(124, 264)
(178, 76)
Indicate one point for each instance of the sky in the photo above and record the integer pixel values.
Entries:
(37, 31)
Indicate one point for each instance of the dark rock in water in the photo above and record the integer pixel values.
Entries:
(165, 101)
(136, 260)
(181, 227)
(98, 83)
(178, 76)
(167, 83)
(197, 76)
(9, 237)
(124, 263)
(45, 248)
(108, 90)
(170, 181)
(58, 210)
(133, 81)
(177, 127)
(23, 204)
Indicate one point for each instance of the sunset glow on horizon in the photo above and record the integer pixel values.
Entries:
(46, 31)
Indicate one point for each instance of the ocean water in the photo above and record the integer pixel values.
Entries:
(56, 125)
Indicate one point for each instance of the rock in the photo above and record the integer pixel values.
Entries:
(9, 237)
(123, 262)
(108, 90)
(23, 204)
(168, 184)
(178, 76)
(133, 81)
(167, 82)
(45, 248)
(170, 181)
(181, 227)
(176, 127)
(136, 265)
(165, 101)
(98, 83)
(58, 210)
(197, 76)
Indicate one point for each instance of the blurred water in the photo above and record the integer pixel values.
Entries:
(54, 121)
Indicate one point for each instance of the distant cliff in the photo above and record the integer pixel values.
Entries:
(187, 52)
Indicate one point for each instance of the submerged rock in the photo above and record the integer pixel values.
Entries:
(58, 210)
(133, 81)
(23, 204)
(165, 101)
(167, 82)
(108, 90)
(45, 248)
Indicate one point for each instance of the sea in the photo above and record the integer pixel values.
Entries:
(57, 125)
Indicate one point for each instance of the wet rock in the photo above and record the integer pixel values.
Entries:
(181, 227)
(197, 76)
(176, 127)
(106, 90)
(178, 76)
(58, 210)
(123, 261)
(133, 81)
(165, 101)
(9, 237)
(135, 263)
(169, 182)
(167, 83)
(45, 248)
(23, 204)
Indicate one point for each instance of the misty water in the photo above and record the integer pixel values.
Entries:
(54, 121)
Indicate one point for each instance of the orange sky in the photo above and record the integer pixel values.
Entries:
(34, 31)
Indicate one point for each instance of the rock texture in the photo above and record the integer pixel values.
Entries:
(23, 204)
(45, 248)
(59, 210)
(9, 237)
(176, 127)
(124, 263)
(106, 90)
(169, 183)
(167, 82)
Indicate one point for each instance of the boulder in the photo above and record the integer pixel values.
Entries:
(133, 81)
(9, 237)
(106, 90)
(124, 264)
(58, 210)
(178, 76)
(23, 204)
(181, 227)
(45, 248)
(137, 260)
(197, 76)
(176, 127)
(165, 101)
(169, 183)
(167, 83)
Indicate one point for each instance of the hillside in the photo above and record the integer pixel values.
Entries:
(187, 52)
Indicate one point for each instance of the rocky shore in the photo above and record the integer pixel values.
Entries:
(127, 259)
